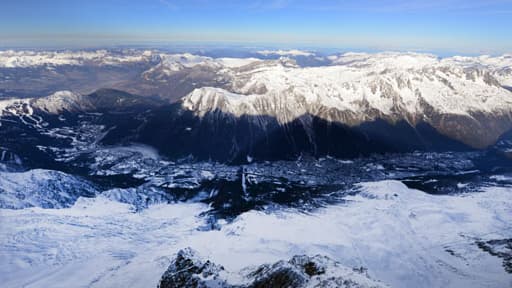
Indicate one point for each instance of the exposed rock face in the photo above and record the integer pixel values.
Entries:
(226, 138)
(187, 270)
(301, 271)
(305, 271)
(501, 248)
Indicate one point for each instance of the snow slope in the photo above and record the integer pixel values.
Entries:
(55, 103)
(403, 236)
(63, 101)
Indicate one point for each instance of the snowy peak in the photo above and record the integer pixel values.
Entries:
(63, 101)
(359, 88)
(356, 87)
(56, 103)
(71, 102)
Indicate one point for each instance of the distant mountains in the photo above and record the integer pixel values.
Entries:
(233, 108)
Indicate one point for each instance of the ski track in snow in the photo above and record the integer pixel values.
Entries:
(400, 235)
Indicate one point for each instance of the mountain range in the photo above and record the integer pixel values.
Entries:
(272, 107)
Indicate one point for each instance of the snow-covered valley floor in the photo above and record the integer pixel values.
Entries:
(404, 237)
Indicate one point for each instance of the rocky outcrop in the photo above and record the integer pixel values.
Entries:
(501, 248)
(187, 270)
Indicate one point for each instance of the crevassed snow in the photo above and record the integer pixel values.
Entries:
(41, 188)
(401, 235)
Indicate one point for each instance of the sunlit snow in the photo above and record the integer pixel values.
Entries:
(401, 235)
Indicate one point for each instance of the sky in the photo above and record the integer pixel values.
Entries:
(464, 26)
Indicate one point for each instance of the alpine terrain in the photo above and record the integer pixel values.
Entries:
(133, 167)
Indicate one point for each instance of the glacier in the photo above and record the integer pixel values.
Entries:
(404, 237)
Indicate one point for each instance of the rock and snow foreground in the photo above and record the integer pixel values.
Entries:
(189, 270)
(401, 237)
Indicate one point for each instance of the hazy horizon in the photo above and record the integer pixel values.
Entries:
(441, 27)
(240, 49)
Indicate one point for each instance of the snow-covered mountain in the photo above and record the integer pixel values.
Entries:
(464, 102)
(71, 102)
(62, 101)
(500, 67)
(27, 58)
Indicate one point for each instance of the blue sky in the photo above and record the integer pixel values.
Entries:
(465, 26)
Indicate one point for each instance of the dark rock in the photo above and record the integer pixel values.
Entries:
(187, 270)
(501, 248)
